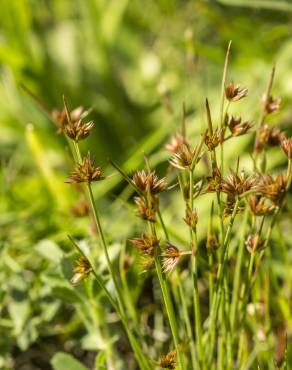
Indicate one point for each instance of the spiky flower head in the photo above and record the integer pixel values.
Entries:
(286, 145)
(82, 271)
(147, 209)
(237, 127)
(214, 181)
(171, 256)
(86, 171)
(272, 188)
(183, 158)
(59, 117)
(148, 182)
(254, 243)
(266, 135)
(145, 244)
(237, 184)
(176, 142)
(234, 93)
(270, 104)
(212, 141)
(191, 218)
(259, 207)
(168, 361)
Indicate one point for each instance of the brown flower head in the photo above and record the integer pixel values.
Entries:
(259, 207)
(270, 104)
(145, 244)
(78, 130)
(148, 182)
(267, 136)
(171, 256)
(81, 208)
(176, 142)
(59, 117)
(286, 145)
(234, 93)
(214, 181)
(237, 127)
(236, 184)
(183, 158)
(147, 210)
(86, 172)
(272, 188)
(212, 141)
(82, 271)
(168, 361)
(254, 243)
(191, 218)
(229, 206)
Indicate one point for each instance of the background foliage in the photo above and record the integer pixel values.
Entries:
(134, 62)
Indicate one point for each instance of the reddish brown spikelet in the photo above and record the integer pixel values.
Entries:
(234, 93)
(270, 104)
(176, 142)
(259, 207)
(82, 271)
(147, 210)
(148, 182)
(236, 184)
(237, 127)
(212, 141)
(214, 181)
(286, 145)
(59, 117)
(171, 257)
(272, 188)
(183, 158)
(86, 172)
(191, 218)
(267, 136)
(146, 244)
(168, 361)
(254, 243)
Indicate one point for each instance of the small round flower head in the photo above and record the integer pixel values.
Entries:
(82, 271)
(237, 127)
(147, 210)
(254, 243)
(235, 92)
(236, 184)
(212, 141)
(271, 104)
(171, 257)
(148, 182)
(183, 158)
(59, 117)
(272, 188)
(168, 361)
(146, 244)
(78, 130)
(286, 145)
(86, 172)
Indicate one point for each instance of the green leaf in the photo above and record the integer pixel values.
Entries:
(64, 361)
(66, 294)
(100, 361)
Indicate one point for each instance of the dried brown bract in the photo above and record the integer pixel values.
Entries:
(171, 257)
(254, 243)
(148, 182)
(191, 218)
(235, 92)
(271, 104)
(237, 184)
(168, 361)
(146, 244)
(214, 181)
(86, 172)
(82, 271)
(272, 188)
(183, 158)
(59, 117)
(286, 145)
(267, 136)
(147, 210)
(259, 207)
(237, 127)
(176, 142)
(212, 141)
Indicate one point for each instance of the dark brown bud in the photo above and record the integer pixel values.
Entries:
(286, 145)
(267, 136)
(212, 141)
(60, 117)
(237, 127)
(234, 93)
(191, 218)
(254, 243)
(86, 172)
(147, 209)
(270, 104)
(82, 271)
(237, 184)
(214, 181)
(78, 130)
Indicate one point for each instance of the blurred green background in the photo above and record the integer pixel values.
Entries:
(134, 62)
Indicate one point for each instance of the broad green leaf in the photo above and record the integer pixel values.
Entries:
(64, 361)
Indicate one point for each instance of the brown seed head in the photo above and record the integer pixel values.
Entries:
(286, 145)
(254, 243)
(212, 141)
(86, 172)
(145, 244)
(258, 207)
(60, 117)
(171, 257)
(147, 210)
(272, 188)
(267, 136)
(183, 158)
(176, 142)
(191, 218)
(148, 182)
(78, 130)
(236, 184)
(214, 181)
(168, 361)
(82, 271)
(237, 127)
(270, 104)
(234, 93)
